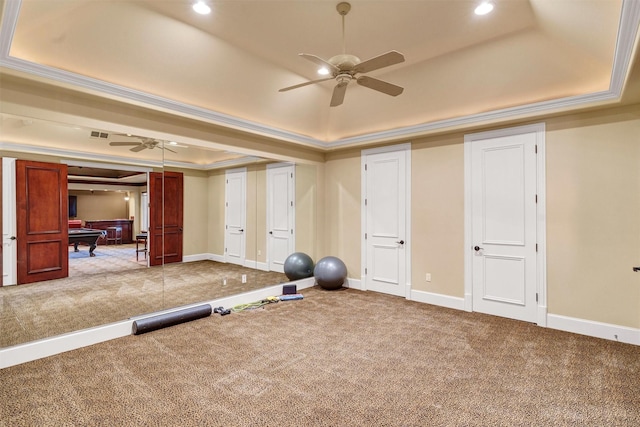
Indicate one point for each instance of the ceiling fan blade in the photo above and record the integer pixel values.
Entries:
(319, 61)
(338, 94)
(304, 84)
(390, 58)
(140, 147)
(122, 143)
(380, 86)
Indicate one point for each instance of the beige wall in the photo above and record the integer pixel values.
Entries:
(215, 212)
(195, 212)
(437, 212)
(593, 214)
(100, 205)
(306, 197)
(341, 216)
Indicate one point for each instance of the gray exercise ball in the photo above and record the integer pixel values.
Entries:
(330, 273)
(298, 266)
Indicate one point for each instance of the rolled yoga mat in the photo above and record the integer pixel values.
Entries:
(165, 320)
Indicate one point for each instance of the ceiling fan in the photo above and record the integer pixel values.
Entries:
(344, 68)
(145, 143)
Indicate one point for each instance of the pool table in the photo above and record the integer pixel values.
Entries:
(87, 236)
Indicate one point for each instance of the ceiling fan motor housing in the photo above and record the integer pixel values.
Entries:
(344, 61)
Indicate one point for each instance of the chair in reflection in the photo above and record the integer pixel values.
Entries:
(114, 235)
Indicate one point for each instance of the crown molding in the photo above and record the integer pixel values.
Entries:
(79, 158)
(626, 39)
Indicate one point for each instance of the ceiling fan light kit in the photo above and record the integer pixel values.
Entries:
(343, 68)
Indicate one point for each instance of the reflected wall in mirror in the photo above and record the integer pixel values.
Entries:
(96, 297)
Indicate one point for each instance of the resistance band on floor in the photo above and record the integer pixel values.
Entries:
(253, 305)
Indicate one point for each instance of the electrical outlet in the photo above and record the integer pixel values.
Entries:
(428, 277)
(244, 278)
(224, 282)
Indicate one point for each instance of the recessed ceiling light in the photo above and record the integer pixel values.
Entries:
(323, 71)
(484, 8)
(202, 8)
(173, 143)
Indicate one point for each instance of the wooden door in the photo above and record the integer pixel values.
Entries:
(280, 215)
(504, 226)
(42, 227)
(165, 217)
(385, 196)
(235, 239)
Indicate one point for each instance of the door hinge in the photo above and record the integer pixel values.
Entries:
(536, 148)
(292, 231)
(365, 202)
(291, 174)
(365, 236)
(292, 203)
(365, 166)
(536, 198)
(536, 247)
(536, 297)
(365, 271)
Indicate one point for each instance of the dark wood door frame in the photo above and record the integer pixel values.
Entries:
(41, 221)
(165, 217)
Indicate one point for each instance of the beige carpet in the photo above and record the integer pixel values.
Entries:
(111, 287)
(336, 358)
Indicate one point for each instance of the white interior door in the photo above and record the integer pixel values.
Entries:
(9, 246)
(504, 229)
(280, 215)
(385, 196)
(235, 216)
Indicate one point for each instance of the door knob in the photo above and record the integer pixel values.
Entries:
(477, 248)
(271, 232)
(241, 230)
(401, 242)
(12, 237)
(636, 269)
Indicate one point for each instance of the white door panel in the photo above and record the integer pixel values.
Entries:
(9, 246)
(504, 226)
(235, 216)
(280, 215)
(385, 195)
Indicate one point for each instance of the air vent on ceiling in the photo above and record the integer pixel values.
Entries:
(97, 134)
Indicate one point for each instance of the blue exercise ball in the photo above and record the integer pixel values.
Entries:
(330, 273)
(298, 266)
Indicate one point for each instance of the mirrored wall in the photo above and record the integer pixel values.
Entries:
(229, 239)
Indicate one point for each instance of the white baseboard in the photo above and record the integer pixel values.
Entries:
(353, 284)
(594, 329)
(263, 266)
(196, 257)
(438, 299)
(216, 257)
(34, 350)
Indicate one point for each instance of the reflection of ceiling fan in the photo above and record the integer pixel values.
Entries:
(145, 143)
(343, 68)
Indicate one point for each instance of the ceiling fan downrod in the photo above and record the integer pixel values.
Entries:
(343, 8)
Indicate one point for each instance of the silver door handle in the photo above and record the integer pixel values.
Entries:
(401, 242)
(477, 248)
